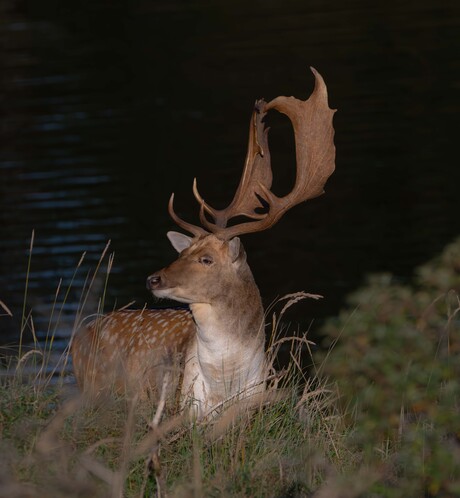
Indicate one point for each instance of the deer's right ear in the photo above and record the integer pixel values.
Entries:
(236, 250)
(179, 241)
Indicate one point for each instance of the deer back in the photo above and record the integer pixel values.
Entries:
(129, 350)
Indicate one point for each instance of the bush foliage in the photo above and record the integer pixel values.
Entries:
(395, 358)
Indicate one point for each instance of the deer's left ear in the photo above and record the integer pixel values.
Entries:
(179, 241)
(236, 250)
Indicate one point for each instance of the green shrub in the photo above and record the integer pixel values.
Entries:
(395, 357)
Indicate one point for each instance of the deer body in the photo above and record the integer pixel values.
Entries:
(128, 351)
(223, 345)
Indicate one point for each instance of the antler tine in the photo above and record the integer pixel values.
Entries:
(315, 156)
(200, 199)
(206, 207)
(193, 229)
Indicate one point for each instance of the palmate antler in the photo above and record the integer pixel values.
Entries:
(315, 159)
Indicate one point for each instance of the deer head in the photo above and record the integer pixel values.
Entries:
(202, 261)
(215, 246)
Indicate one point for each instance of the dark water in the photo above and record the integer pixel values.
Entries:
(109, 106)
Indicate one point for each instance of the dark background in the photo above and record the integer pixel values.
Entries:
(109, 106)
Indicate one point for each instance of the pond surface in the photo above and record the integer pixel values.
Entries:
(111, 106)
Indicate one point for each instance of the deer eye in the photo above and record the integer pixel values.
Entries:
(206, 260)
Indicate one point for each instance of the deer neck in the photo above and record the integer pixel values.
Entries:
(219, 329)
(229, 346)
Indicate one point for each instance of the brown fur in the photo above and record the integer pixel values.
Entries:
(126, 350)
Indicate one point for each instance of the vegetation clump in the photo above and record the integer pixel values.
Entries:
(396, 362)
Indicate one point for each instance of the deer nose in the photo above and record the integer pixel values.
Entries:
(154, 281)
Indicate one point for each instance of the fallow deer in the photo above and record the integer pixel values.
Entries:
(221, 338)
